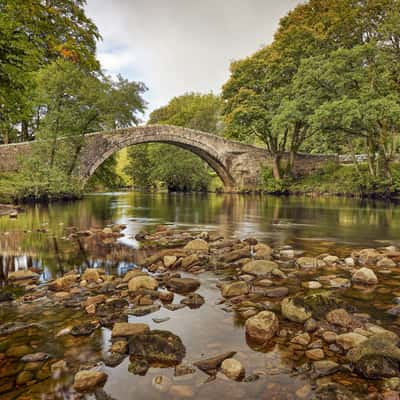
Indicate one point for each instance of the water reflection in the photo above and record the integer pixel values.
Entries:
(38, 237)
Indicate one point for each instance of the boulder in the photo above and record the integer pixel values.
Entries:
(262, 327)
(142, 282)
(197, 245)
(124, 329)
(368, 256)
(194, 300)
(235, 289)
(376, 357)
(259, 267)
(183, 285)
(161, 347)
(315, 354)
(233, 369)
(86, 381)
(386, 262)
(294, 312)
(365, 276)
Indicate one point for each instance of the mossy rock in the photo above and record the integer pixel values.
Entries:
(319, 304)
(157, 347)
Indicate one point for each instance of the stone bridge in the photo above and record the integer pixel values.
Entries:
(238, 165)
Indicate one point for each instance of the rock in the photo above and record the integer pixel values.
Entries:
(276, 292)
(184, 391)
(18, 351)
(329, 337)
(339, 317)
(315, 354)
(294, 312)
(235, 289)
(233, 369)
(120, 346)
(350, 340)
(161, 320)
(304, 392)
(311, 285)
(259, 268)
(194, 300)
(197, 245)
(174, 307)
(376, 357)
(35, 357)
(262, 251)
(368, 256)
(264, 283)
(161, 383)
(64, 283)
(22, 274)
(386, 262)
(310, 325)
(91, 275)
(338, 283)
(303, 339)
(85, 329)
(169, 261)
(86, 381)
(125, 329)
(309, 263)
(138, 367)
(325, 368)
(144, 310)
(24, 377)
(349, 261)
(331, 260)
(211, 365)
(184, 369)
(262, 327)
(183, 285)
(365, 276)
(157, 347)
(113, 359)
(142, 282)
(94, 300)
(132, 274)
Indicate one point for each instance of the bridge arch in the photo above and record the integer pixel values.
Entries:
(99, 147)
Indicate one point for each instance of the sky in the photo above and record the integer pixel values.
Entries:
(179, 46)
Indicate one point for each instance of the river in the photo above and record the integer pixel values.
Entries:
(38, 239)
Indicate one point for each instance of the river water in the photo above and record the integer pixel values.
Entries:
(37, 239)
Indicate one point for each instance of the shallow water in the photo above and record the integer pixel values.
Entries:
(38, 239)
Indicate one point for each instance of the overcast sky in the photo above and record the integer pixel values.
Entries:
(177, 46)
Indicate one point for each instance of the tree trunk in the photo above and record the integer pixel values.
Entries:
(276, 166)
(24, 131)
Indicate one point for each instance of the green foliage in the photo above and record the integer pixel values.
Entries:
(339, 180)
(71, 103)
(177, 169)
(32, 34)
(328, 82)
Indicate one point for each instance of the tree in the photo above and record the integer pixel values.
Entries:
(33, 34)
(179, 169)
(260, 97)
(353, 95)
(70, 103)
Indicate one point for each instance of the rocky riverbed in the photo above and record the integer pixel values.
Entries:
(275, 323)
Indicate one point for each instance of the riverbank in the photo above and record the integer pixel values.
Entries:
(336, 180)
(203, 315)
